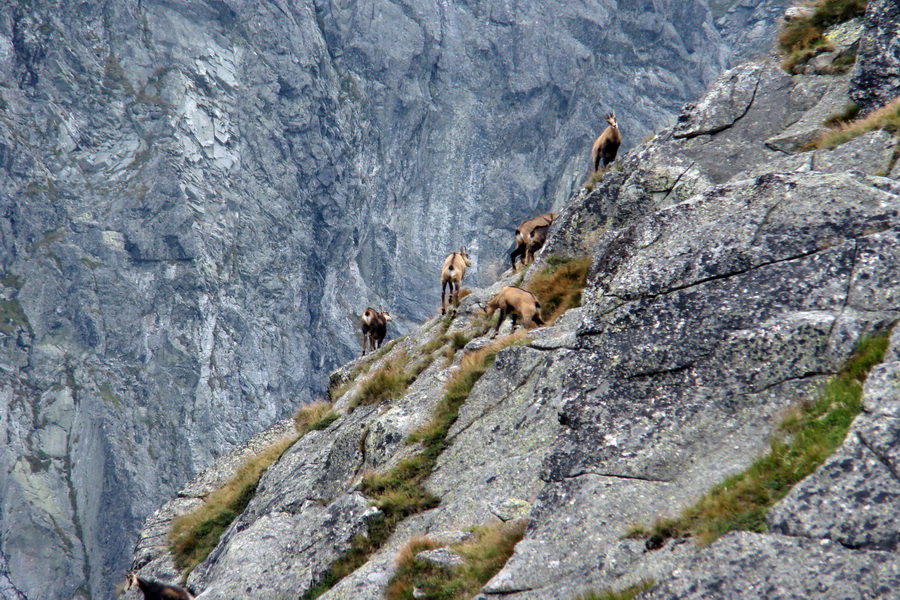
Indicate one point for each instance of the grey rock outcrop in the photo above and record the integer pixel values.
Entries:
(876, 77)
(729, 281)
(196, 199)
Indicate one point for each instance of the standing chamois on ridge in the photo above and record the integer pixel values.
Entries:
(153, 590)
(607, 144)
(374, 327)
(523, 237)
(452, 274)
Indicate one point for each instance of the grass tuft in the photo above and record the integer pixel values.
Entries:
(558, 286)
(627, 594)
(812, 431)
(484, 556)
(800, 39)
(315, 416)
(887, 117)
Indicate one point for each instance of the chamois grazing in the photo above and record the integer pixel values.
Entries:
(452, 275)
(153, 590)
(374, 327)
(522, 236)
(535, 242)
(515, 302)
(606, 146)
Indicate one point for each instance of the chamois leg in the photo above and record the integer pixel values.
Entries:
(499, 323)
(519, 251)
(443, 301)
(514, 318)
(454, 289)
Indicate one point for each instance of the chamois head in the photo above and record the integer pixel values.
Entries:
(131, 580)
(384, 314)
(611, 119)
(465, 256)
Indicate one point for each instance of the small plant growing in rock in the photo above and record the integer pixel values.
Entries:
(799, 39)
(559, 285)
(627, 594)
(484, 556)
(887, 118)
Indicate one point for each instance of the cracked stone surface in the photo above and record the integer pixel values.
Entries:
(728, 282)
(747, 565)
(876, 75)
(197, 198)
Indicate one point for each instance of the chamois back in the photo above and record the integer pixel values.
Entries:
(452, 274)
(374, 327)
(154, 590)
(516, 303)
(523, 232)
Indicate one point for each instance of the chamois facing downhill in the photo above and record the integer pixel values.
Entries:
(606, 146)
(515, 302)
(153, 590)
(523, 235)
(452, 274)
(374, 327)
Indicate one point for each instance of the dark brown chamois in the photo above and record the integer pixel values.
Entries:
(515, 302)
(452, 275)
(374, 327)
(153, 590)
(606, 146)
(522, 233)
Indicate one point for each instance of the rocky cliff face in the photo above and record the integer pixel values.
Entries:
(197, 197)
(733, 272)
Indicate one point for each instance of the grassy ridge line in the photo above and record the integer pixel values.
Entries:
(400, 492)
(194, 535)
(811, 433)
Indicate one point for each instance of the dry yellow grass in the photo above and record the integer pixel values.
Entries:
(194, 535)
(887, 117)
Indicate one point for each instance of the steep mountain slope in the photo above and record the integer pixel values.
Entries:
(196, 198)
(733, 273)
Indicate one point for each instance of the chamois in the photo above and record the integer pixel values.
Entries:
(515, 302)
(522, 233)
(374, 327)
(607, 144)
(452, 274)
(153, 590)
(535, 242)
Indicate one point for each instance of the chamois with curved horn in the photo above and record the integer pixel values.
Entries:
(524, 231)
(515, 302)
(374, 327)
(452, 274)
(154, 590)
(606, 146)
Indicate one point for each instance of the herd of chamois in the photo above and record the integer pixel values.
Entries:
(512, 301)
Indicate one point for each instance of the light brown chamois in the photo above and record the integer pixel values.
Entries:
(452, 274)
(522, 233)
(515, 302)
(374, 327)
(535, 242)
(607, 144)
(153, 590)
